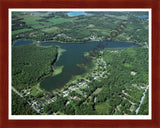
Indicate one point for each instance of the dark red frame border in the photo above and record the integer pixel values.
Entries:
(6, 4)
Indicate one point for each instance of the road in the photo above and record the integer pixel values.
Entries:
(16, 92)
(37, 110)
(141, 101)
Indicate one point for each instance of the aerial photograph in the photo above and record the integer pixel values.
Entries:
(79, 62)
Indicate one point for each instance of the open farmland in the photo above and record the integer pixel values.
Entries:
(58, 20)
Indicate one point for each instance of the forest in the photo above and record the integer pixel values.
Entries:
(31, 63)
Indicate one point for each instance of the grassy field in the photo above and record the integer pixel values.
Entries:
(58, 20)
(30, 19)
(58, 70)
(36, 90)
(97, 91)
(51, 29)
(20, 31)
(60, 52)
(37, 26)
(102, 108)
(127, 65)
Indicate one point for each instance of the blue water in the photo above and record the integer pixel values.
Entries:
(77, 13)
(22, 42)
(142, 16)
(70, 58)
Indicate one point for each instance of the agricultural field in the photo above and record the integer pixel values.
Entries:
(58, 20)
(38, 26)
(31, 19)
(20, 31)
(103, 108)
(51, 30)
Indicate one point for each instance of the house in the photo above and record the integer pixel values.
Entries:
(133, 73)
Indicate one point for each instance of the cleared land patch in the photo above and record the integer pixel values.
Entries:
(20, 31)
(58, 20)
(30, 19)
(52, 29)
(38, 26)
(102, 108)
(97, 91)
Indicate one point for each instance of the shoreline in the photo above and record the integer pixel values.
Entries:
(56, 70)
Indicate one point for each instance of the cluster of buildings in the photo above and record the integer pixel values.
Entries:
(37, 103)
(75, 87)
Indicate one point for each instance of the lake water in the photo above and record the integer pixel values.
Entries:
(142, 16)
(77, 13)
(22, 42)
(69, 59)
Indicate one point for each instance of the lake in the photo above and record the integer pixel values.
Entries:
(70, 58)
(142, 16)
(22, 42)
(77, 13)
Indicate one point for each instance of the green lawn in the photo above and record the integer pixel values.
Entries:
(20, 31)
(127, 65)
(97, 91)
(30, 19)
(58, 70)
(51, 29)
(36, 90)
(37, 26)
(58, 20)
(102, 108)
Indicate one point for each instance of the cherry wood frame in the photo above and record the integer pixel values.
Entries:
(4, 39)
